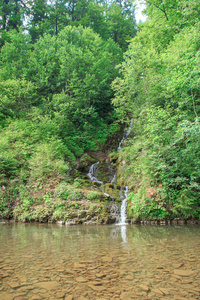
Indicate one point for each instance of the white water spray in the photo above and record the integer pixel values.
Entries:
(123, 208)
(126, 192)
(125, 135)
(92, 174)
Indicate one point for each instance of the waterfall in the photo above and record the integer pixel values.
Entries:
(114, 178)
(126, 192)
(92, 174)
(112, 171)
(125, 135)
(123, 208)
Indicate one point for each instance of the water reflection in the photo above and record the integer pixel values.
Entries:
(99, 262)
(118, 231)
(124, 233)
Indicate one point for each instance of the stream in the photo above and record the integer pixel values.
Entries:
(50, 262)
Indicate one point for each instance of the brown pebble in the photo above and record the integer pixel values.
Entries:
(183, 272)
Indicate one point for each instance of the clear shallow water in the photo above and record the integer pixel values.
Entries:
(99, 262)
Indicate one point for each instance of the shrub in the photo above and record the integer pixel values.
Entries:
(93, 195)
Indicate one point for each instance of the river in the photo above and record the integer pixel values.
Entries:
(41, 261)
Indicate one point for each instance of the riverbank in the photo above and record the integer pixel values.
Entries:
(92, 195)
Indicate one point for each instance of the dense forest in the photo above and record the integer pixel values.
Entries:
(73, 74)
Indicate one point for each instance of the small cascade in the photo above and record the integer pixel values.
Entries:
(112, 176)
(125, 135)
(120, 216)
(126, 192)
(122, 220)
(92, 174)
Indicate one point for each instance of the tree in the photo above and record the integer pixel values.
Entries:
(11, 16)
(160, 88)
(58, 16)
(15, 54)
(121, 24)
(39, 22)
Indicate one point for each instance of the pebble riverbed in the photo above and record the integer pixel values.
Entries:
(99, 262)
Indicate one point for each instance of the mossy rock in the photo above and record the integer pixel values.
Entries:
(103, 171)
(113, 191)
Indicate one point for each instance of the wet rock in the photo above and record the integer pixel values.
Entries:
(165, 291)
(83, 298)
(70, 223)
(107, 259)
(43, 219)
(181, 222)
(159, 267)
(13, 284)
(184, 273)
(20, 296)
(60, 295)
(81, 279)
(126, 296)
(129, 277)
(91, 222)
(100, 275)
(78, 266)
(153, 222)
(177, 266)
(144, 287)
(174, 222)
(69, 297)
(36, 297)
(192, 222)
(163, 222)
(48, 285)
(158, 291)
(6, 296)
(97, 288)
(60, 222)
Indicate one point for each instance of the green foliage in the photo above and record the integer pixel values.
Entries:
(65, 79)
(143, 207)
(68, 192)
(48, 161)
(16, 99)
(28, 150)
(14, 55)
(78, 182)
(11, 14)
(160, 87)
(93, 195)
(165, 152)
(55, 102)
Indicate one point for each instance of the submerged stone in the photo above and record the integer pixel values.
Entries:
(48, 285)
(184, 272)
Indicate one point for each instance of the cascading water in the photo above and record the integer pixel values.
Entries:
(92, 174)
(125, 135)
(112, 172)
(124, 201)
(123, 208)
